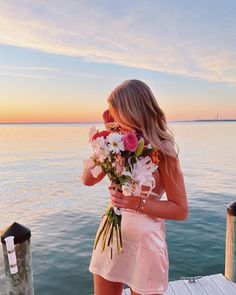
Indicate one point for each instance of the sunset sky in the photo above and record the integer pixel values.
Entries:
(59, 60)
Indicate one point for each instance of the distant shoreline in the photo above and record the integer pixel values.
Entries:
(207, 120)
(100, 122)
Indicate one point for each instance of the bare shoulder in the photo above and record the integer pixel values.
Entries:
(170, 169)
(173, 161)
(169, 146)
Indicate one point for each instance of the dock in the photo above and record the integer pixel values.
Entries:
(215, 284)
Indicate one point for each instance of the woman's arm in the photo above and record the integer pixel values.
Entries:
(88, 179)
(175, 191)
(176, 207)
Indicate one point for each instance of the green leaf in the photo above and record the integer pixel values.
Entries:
(140, 147)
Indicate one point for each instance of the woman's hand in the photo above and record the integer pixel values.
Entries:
(119, 200)
(88, 179)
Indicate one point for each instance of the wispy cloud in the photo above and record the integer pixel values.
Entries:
(183, 39)
(28, 68)
(32, 71)
(20, 75)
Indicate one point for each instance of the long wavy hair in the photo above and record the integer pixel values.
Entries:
(135, 106)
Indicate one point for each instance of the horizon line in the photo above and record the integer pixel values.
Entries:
(87, 122)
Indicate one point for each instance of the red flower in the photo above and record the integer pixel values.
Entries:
(104, 133)
(107, 118)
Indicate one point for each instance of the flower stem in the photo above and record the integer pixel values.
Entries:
(99, 235)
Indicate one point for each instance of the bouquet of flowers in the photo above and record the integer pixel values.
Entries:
(129, 161)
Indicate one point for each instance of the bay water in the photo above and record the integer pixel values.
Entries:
(41, 188)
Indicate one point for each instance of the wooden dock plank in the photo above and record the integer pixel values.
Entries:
(169, 291)
(224, 284)
(233, 284)
(209, 286)
(195, 288)
(216, 284)
(179, 287)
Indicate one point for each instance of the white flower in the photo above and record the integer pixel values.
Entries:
(115, 142)
(127, 188)
(100, 148)
(92, 132)
(141, 173)
(96, 171)
(131, 188)
(136, 190)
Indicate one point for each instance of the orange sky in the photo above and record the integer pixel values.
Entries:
(62, 64)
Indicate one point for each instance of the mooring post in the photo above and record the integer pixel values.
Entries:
(18, 260)
(230, 245)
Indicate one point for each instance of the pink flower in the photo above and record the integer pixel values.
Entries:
(119, 164)
(130, 141)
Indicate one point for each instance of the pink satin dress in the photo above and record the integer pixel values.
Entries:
(144, 264)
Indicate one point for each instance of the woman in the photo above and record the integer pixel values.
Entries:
(144, 264)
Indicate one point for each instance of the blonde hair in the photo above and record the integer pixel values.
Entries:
(136, 107)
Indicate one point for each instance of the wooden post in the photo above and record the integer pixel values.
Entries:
(230, 247)
(18, 260)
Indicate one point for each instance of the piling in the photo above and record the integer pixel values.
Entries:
(230, 245)
(18, 260)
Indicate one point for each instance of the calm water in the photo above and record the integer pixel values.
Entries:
(41, 188)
